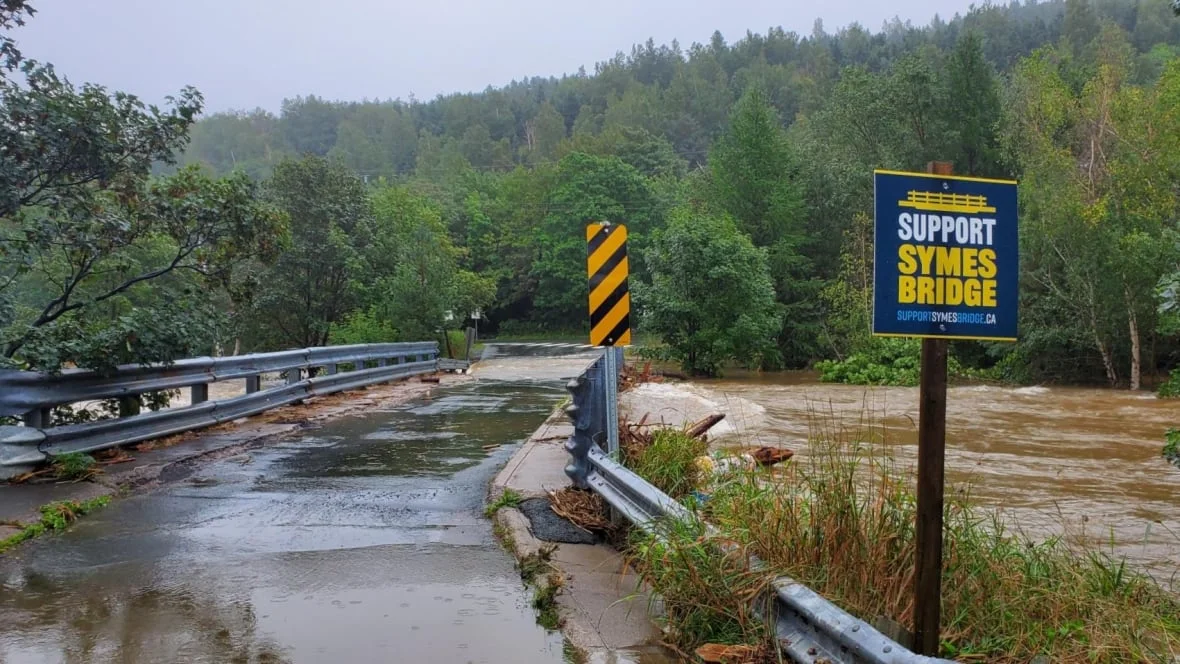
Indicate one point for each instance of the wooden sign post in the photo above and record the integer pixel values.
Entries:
(931, 477)
(945, 267)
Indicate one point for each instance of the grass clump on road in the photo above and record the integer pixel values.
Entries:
(545, 601)
(509, 498)
(54, 516)
(842, 522)
(74, 466)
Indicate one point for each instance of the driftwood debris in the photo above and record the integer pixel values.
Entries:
(632, 376)
(636, 436)
(699, 429)
(716, 653)
(585, 509)
(769, 456)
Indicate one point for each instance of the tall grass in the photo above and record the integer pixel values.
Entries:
(706, 596)
(841, 520)
(669, 462)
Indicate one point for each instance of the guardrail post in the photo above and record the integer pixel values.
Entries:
(330, 369)
(253, 384)
(294, 376)
(381, 362)
(200, 393)
(38, 418)
(129, 406)
(612, 365)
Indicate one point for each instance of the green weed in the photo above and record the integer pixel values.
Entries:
(503, 536)
(54, 516)
(545, 601)
(74, 466)
(708, 596)
(1170, 388)
(509, 498)
(536, 564)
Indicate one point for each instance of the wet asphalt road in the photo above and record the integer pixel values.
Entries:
(361, 541)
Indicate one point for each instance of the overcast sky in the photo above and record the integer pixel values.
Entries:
(250, 53)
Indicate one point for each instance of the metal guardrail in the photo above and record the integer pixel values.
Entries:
(809, 628)
(22, 392)
(31, 395)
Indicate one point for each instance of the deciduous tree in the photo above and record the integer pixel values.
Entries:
(317, 279)
(92, 245)
(711, 299)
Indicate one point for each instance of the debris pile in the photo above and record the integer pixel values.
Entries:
(584, 509)
(716, 653)
(634, 437)
(632, 376)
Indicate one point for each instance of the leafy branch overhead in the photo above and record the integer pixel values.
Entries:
(13, 14)
(88, 235)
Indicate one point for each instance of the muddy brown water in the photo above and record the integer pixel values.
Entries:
(361, 541)
(1083, 462)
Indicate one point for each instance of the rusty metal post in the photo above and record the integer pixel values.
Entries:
(931, 461)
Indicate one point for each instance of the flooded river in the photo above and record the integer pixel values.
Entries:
(1082, 461)
(361, 541)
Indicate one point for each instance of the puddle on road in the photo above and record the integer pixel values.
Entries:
(362, 541)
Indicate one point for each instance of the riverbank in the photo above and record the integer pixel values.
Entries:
(839, 518)
(1081, 461)
(149, 464)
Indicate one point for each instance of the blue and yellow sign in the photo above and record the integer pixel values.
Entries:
(946, 261)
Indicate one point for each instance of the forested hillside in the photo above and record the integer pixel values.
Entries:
(402, 212)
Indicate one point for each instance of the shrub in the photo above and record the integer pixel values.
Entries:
(1172, 446)
(882, 362)
(1170, 388)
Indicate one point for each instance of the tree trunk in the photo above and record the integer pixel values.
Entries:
(1133, 324)
(1112, 374)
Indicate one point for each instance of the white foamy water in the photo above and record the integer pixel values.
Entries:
(678, 404)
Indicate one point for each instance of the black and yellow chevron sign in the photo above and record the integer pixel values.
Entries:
(610, 300)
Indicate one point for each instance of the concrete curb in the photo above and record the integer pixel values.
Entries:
(605, 613)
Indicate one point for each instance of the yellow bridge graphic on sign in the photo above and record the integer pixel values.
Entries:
(938, 202)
